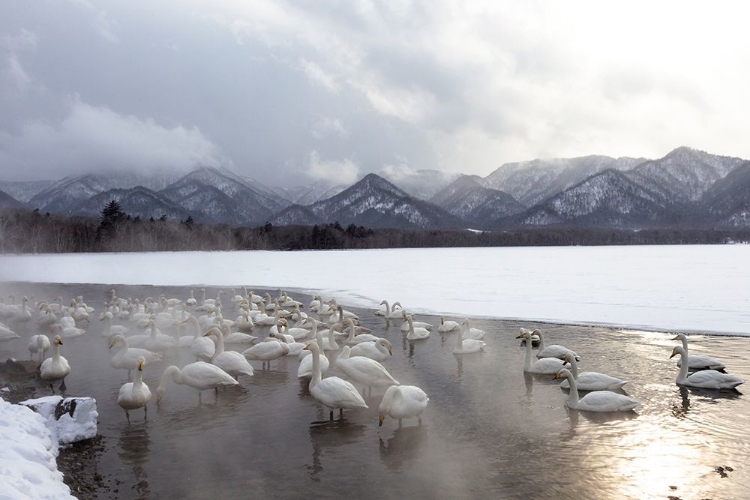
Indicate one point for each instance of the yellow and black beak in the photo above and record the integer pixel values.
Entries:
(58, 341)
(380, 420)
(675, 338)
(673, 355)
(140, 366)
(558, 375)
(521, 335)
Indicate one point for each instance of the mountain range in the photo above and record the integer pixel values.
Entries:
(687, 188)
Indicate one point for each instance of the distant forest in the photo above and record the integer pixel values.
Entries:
(25, 231)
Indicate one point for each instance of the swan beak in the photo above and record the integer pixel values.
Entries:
(559, 375)
(521, 335)
(390, 351)
(306, 348)
(140, 366)
(112, 343)
(158, 398)
(578, 358)
(380, 420)
(675, 338)
(673, 355)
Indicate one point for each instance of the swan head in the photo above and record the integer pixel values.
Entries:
(140, 363)
(679, 336)
(385, 343)
(562, 373)
(58, 340)
(380, 420)
(524, 335)
(677, 350)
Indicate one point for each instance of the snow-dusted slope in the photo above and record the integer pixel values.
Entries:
(421, 184)
(468, 199)
(375, 202)
(530, 182)
(7, 201)
(728, 200)
(295, 215)
(608, 199)
(137, 202)
(24, 191)
(684, 175)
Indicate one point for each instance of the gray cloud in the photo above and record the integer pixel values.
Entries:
(286, 92)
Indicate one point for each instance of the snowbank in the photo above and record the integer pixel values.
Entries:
(69, 419)
(28, 451)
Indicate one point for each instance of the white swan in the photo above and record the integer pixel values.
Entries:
(267, 351)
(697, 362)
(332, 392)
(67, 332)
(534, 337)
(231, 362)
(236, 337)
(126, 358)
(356, 339)
(602, 401)
(416, 333)
(191, 302)
(198, 375)
(7, 334)
(447, 326)
(417, 324)
(135, 394)
(552, 351)
(469, 332)
(545, 365)
(591, 381)
(38, 344)
(393, 313)
(110, 329)
(202, 348)
(364, 371)
(329, 343)
(380, 350)
(706, 379)
(467, 346)
(305, 368)
(154, 341)
(381, 312)
(402, 401)
(56, 367)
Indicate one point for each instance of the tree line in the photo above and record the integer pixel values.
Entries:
(26, 231)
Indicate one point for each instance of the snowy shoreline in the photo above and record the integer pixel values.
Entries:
(665, 288)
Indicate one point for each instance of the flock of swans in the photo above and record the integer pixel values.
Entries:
(310, 336)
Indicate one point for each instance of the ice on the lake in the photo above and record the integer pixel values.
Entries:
(70, 419)
(27, 458)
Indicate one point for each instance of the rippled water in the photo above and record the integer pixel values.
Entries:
(489, 430)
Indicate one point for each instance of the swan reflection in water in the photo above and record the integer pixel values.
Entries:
(326, 433)
(404, 446)
(134, 450)
(682, 408)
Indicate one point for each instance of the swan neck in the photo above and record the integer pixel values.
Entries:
(573, 396)
(387, 308)
(219, 342)
(527, 358)
(316, 375)
(574, 368)
(55, 352)
(684, 368)
(138, 379)
(332, 340)
(171, 372)
(685, 344)
(541, 341)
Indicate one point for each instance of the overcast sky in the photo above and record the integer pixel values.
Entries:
(289, 92)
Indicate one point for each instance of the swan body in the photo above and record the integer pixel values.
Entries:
(305, 368)
(393, 313)
(267, 351)
(56, 367)
(198, 375)
(126, 358)
(155, 341)
(332, 392)
(110, 329)
(231, 362)
(38, 344)
(705, 379)
(417, 324)
(548, 366)
(591, 381)
(7, 334)
(356, 339)
(380, 350)
(416, 333)
(68, 331)
(402, 401)
(364, 371)
(600, 401)
(201, 347)
(467, 346)
(447, 326)
(697, 362)
(135, 394)
(552, 351)
(469, 332)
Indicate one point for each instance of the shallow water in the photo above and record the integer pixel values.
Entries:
(489, 431)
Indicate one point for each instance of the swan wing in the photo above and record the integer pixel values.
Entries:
(337, 393)
(606, 401)
(200, 375)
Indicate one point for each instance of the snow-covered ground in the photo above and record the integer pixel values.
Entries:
(691, 288)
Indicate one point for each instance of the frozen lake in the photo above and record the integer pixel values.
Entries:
(688, 288)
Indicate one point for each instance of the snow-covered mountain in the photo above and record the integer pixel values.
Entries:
(728, 200)
(311, 193)
(7, 201)
(684, 175)
(375, 202)
(530, 182)
(421, 184)
(66, 194)
(481, 206)
(296, 215)
(608, 199)
(137, 202)
(23, 191)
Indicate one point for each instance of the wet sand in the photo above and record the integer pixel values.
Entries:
(489, 430)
